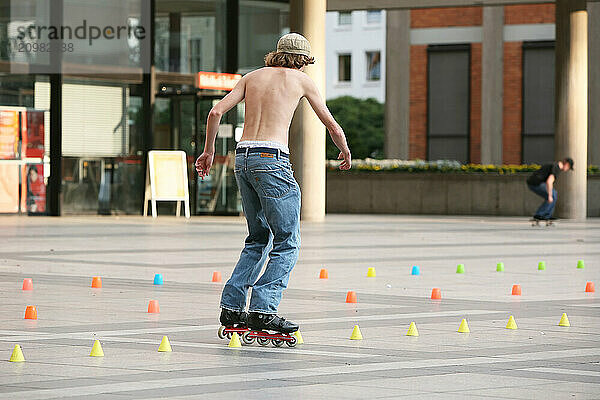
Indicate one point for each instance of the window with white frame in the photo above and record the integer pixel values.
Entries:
(373, 17)
(344, 68)
(373, 65)
(345, 18)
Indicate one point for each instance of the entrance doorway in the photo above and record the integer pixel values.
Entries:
(180, 124)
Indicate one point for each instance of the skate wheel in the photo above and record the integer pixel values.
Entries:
(221, 333)
(247, 338)
(293, 342)
(229, 335)
(262, 341)
(277, 342)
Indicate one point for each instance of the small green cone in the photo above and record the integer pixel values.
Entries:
(500, 267)
(541, 265)
(580, 264)
(460, 269)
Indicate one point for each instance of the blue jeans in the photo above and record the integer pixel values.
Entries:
(546, 209)
(271, 203)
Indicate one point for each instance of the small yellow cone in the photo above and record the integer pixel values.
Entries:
(464, 327)
(165, 346)
(298, 336)
(356, 334)
(17, 354)
(512, 324)
(564, 320)
(235, 340)
(97, 350)
(371, 272)
(412, 330)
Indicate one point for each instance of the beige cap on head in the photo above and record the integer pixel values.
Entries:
(294, 43)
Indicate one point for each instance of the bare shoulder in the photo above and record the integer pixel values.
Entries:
(307, 83)
(288, 75)
(252, 74)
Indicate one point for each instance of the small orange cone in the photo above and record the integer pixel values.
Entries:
(516, 290)
(436, 294)
(351, 297)
(153, 307)
(589, 287)
(323, 274)
(97, 282)
(216, 276)
(27, 284)
(31, 312)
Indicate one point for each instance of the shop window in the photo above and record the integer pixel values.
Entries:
(261, 23)
(448, 103)
(373, 65)
(186, 38)
(344, 68)
(345, 18)
(195, 58)
(538, 102)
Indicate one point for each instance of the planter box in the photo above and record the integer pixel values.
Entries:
(439, 193)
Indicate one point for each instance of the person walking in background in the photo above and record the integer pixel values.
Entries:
(270, 194)
(541, 182)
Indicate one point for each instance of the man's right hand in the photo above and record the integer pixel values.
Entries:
(550, 199)
(204, 163)
(347, 157)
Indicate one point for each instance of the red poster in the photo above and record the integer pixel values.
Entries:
(35, 197)
(32, 129)
(9, 134)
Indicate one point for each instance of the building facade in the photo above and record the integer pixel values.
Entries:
(103, 103)
(356, 54)
(446, 83)
(445, 78)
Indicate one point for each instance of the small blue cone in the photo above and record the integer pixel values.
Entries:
(158, 279)
(415, 270)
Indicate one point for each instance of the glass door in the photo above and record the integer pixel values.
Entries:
(217, 193)
(180, 124)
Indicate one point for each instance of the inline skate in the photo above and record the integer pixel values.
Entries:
(232, 321)
(265, 328)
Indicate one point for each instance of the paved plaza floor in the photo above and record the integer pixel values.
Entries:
(539, 360)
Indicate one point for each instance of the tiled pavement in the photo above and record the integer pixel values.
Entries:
(539, 360)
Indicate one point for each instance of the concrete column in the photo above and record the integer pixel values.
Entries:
(307, 133)
(572, 105)
(397, 83)
(492, 85)
(593, 9)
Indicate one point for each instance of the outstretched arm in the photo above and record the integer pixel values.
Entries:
(335, 130)
(204, 162)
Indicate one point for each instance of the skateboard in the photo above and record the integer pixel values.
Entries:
(539, 222)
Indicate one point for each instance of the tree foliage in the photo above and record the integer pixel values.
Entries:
(362, 121)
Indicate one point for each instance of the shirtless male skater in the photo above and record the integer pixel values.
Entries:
(541, 182)
(270, 194)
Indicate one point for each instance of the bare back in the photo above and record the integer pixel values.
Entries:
(272, 95)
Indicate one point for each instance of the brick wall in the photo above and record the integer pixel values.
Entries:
(512, 107)
(418, 102)
(444, 17)
(475, 133)
(529, 14)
